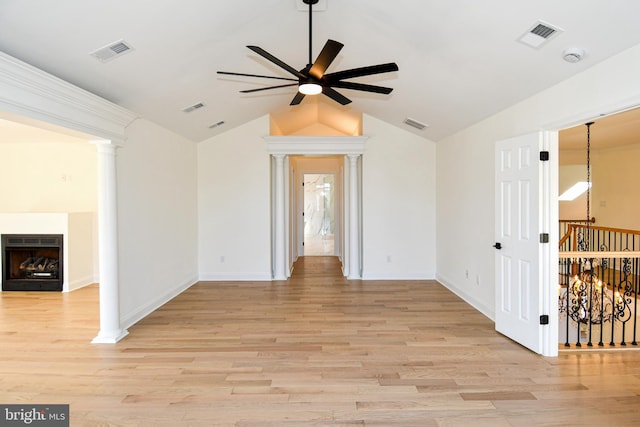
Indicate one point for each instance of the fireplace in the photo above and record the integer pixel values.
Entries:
(32, 262)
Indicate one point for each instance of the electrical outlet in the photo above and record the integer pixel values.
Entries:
(388, 258)
(222, 258)
(466, 274)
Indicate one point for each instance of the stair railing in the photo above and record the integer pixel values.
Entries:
(599, 286)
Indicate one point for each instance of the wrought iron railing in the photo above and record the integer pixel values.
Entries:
(599, 286)
(564, 225)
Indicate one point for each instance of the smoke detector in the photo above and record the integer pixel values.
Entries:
(573, 54)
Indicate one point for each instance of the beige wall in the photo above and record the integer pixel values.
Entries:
(616, 198)
(47, 177)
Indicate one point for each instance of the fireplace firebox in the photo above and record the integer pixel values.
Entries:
(32, 262)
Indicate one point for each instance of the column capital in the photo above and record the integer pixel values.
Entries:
(105, 146)
(353, 159)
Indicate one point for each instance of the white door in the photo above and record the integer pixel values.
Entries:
(522, 267)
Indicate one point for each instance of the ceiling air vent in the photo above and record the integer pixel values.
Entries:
(414, 123)
(193, 107)
(215, 125)
(107, 53)
(539, 33)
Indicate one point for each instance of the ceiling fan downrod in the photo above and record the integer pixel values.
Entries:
(310, 3)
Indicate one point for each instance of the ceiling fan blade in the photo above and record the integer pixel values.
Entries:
(335, 95)
(363, 71)
(267, 88)
(276, 61)
(297, 99)
(327, 55)
(363, 87)
(255, 75)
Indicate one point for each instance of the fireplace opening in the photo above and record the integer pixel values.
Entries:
(32, 262)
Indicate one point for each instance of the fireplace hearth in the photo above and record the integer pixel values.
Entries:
(32, 262)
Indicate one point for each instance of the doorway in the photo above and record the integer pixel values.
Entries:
(319, 214)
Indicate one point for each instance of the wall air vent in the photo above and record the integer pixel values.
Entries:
(215, 125)
(107, 53)
(539, 33)
(193, 107)
(414, 123)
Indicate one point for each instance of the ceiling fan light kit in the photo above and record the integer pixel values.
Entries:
(312, 80)
(310, 89)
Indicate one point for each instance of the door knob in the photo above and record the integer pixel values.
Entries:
(497, 245)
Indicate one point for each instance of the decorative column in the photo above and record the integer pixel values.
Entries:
(279, 232)
(354, 244)
(345, 217)
(110, 330)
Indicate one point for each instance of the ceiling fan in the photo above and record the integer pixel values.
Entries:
(312, 80)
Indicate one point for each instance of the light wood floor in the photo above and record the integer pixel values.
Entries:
(313, 351)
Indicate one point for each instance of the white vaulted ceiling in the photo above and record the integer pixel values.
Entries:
(460, 60)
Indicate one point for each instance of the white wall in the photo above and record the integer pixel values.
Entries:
(465, 168)
(157, 218)
(398, 203)
(234, 204)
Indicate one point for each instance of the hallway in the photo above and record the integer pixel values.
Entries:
(317, 350)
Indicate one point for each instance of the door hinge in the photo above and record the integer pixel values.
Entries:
(544, 319)
(544, 156)
(544, 237)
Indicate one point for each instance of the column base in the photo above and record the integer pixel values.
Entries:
(110, 338)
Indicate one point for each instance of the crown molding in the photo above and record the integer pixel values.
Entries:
(28, 91)
(315, 145)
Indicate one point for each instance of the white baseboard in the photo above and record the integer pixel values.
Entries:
(412, 276)
(139, 314)
(234, 277)
(81, 283)
(487, 311)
